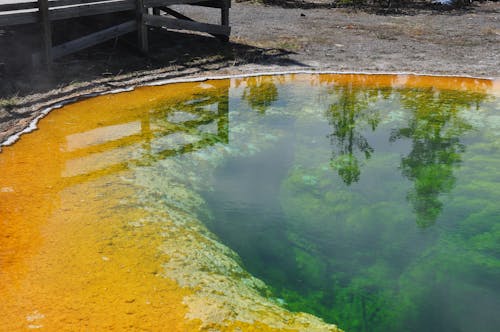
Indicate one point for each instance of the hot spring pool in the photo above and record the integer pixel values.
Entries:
(371, 202)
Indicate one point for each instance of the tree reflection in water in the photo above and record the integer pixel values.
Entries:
(260, 93)
(435, 129)
(351, 253)
(350, 114)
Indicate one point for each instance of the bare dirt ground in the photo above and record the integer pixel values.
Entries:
(264, 38)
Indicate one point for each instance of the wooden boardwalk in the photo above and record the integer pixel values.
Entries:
(142, 14)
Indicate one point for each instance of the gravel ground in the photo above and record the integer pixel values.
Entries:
(427, 42)
(264, 39)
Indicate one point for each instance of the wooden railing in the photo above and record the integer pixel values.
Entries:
(148, 13)
(28, 12)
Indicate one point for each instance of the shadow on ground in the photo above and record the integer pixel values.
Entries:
(25, 91)
(171, 55)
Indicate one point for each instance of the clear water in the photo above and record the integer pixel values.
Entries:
(375, 208)
(369, 201)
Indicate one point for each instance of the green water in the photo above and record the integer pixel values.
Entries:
(374, 206)
(376, 209)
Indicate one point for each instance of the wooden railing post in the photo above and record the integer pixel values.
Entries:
(142, 29)
(224, 19)
(46, 30)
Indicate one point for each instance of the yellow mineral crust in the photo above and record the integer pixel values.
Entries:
(81, 250)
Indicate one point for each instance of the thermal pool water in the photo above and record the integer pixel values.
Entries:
(288, 202)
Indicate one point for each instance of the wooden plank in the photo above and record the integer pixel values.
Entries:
(175, 14)
(93, 39)
(224, 20)
(176, 24)
(142, 28)
(18, 18)
(58, 13)
(18, 6)
(91, 9)
(159, 3)
(52, 4)
(46, 30)
(214, 4)
(61, 3)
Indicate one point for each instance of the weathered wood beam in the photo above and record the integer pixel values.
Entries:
(224, 20)
(88, 8)
(214, 3)
(18, 18)
(91, 9)
(175, 14)
(176, 24)
(60, 13)
(46, 30)
(93, 39)
(52, 4)
(61, 3)
(159, 3)
(142, 28)
(18, 6)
